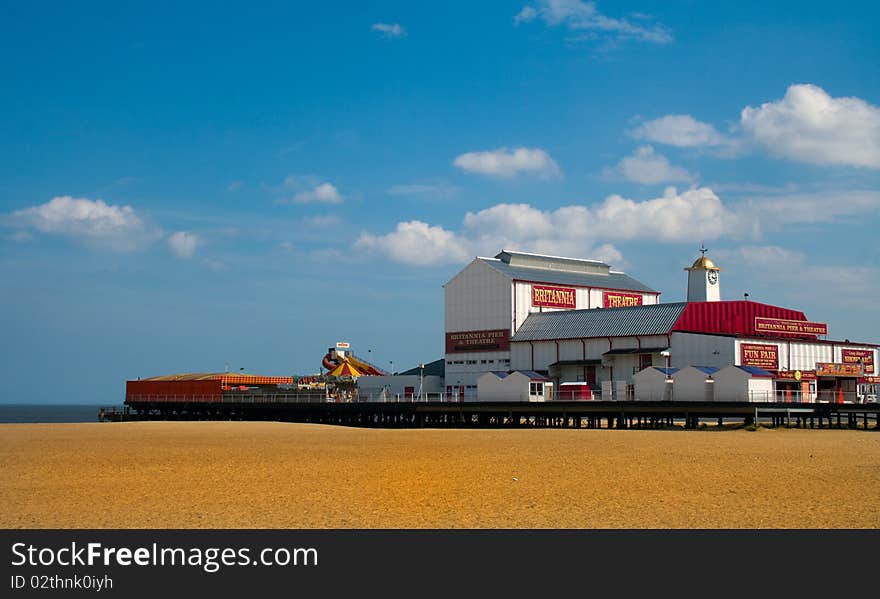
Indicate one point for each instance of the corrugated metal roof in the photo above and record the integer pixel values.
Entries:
(187, 376)
(435, 368)
(635, 350)
(535, 376)
(500, 374)
(667, 371)
(655, 319)
(614, 280)
(733, 317)
(755, 371)
(707, 369)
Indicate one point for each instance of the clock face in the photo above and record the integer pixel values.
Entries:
(712, 276)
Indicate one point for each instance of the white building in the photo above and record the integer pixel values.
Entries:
(488, 301)
(607, 347)
(743, 383)
(514, 386)
(653, 384)
(694, 383)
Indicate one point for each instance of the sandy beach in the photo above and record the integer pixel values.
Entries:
(277, 475)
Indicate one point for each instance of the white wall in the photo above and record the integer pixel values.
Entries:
(584, 298)
(689, 384)
(688, 349)
(370, 387)
(735, 384)
(477, 299)
(650, 385)
(513, 387)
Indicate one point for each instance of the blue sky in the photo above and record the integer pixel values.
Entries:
(183, 187)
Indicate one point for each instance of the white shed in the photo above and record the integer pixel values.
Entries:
(650, 384)
(399, 387)
(692, 384)
(743, 383)
(520, 385)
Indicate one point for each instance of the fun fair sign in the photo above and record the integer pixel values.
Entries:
(760, 355)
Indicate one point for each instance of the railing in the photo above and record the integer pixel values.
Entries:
(577, 395)
(228, 398)
(415, 398)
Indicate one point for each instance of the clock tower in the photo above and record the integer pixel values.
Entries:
(703, 283)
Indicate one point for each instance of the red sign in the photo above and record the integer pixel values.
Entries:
(871, 380)
(553, 297)
(471, 341)
(760, 355)
(782, 326)
(614, 299)
(796, 375)
(837, 369)
(855, 356)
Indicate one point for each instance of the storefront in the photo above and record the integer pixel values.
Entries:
(869, 389)
(796, 385)
(837, 381)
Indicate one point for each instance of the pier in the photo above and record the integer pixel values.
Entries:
(555, 414)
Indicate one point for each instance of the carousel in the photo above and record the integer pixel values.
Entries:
(344, 369)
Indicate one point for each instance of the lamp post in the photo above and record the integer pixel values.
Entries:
(668, 384)
(421, 379)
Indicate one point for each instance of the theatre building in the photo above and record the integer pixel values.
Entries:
(579, 321)
(487, 302)
(607, 347)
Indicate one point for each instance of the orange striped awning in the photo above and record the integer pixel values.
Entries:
(253, 379)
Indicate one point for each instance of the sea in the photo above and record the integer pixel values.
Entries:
(49, 413)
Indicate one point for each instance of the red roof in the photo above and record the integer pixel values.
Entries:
(733, 318)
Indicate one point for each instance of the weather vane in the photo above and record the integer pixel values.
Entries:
(703, 248)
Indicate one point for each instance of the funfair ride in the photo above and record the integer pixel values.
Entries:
(344, 369)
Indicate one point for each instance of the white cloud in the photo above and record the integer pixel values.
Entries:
(794, 275)
(183, 244)
(389, 30)
(21, 236)
(505, 163)
(322, 221)
(424, 190)
(215, 265)
(578, 15)
(324, 193)
(91, 221)
(235, 186)
(417, 243)
(809, 208)
(526, 15)
(648, 167)
(810, 126)
(571, 230)
(588, 230)
(680, 130)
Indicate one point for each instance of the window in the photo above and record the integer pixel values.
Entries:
(471, 361)
(491, 361)
(536, 389)
(482, 361)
